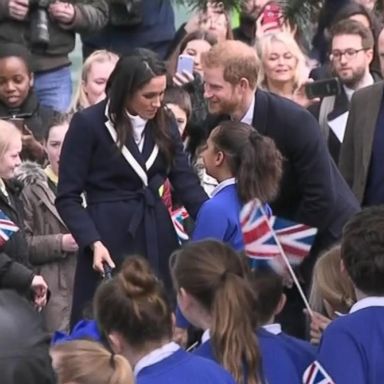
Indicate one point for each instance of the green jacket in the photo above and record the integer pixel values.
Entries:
(90, 16)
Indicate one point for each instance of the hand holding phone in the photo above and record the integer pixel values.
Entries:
(185, 63)
(323, 88)
(271, 14)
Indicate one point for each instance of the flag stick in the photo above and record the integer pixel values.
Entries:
(290, 270)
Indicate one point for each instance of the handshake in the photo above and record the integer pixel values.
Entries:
(40, 12)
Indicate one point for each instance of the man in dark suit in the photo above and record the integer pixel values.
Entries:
(362, 157)
(312, 190)
(351, 55)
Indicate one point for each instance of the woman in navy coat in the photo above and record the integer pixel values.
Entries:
(115, 157)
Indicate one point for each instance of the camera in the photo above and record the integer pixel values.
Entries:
(39, 21)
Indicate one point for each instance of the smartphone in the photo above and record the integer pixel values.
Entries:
(185, 63)
(272, 14)
(323, 88)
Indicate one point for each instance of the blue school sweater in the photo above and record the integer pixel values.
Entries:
(301, 352)
(184, 368)
(277, 365)
(219, 217)
(352, 346)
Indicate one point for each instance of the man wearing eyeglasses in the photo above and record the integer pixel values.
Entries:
(351, 54)
(362, 154)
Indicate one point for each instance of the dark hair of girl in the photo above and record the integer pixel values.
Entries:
(197, 35)
(253, 159)
(134, 304)
(132, 73)
(216, 276)
(16, 50)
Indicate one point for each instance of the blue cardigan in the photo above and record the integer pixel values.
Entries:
(352, 347)
(277, 365)
(183, 367)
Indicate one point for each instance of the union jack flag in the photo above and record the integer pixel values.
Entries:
(316, 374)
(178, 216)
(295, 239)
(7, 228)
(263, 235)
(259, 242)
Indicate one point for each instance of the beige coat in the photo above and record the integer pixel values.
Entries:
(44, 229)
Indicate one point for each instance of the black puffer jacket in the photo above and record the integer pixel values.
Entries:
(15, 272)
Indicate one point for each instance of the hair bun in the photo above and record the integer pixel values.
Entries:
(137, 278)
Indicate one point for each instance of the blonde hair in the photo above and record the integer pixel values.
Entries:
(330, 285)
(88, 362)
(80, 99)
(7, 132)
(264, 46)
(237, 59)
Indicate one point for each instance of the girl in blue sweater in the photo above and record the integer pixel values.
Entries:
(214, 293)
(134, 314)
(247, 165)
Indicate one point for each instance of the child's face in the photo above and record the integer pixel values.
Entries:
(53, 145)
(180, 116)
(209, 155)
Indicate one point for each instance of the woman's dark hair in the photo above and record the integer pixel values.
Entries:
(180, 97)
(197, 35)
(134, 304)
(218, 278)
(253, 159)
(132, 73)
(57, 119)
(16, 50)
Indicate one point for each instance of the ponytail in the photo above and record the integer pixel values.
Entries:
(88, 362)
(217, 278)
(254, 160)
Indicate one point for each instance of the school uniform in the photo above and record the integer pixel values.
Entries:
(172, 365)
(219, 217)
(124, 210)
(352, 346)
(301, 352)
(277, 365)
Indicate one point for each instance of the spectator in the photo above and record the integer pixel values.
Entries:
(48, 30)
(52, 249)
(14, 263)
(148, 24)
(356, 340)
(331, 292)
(94, 76)
(134, 313)
(351, 55)
(215, 294)
(84, 362)
(283, 68)
(18, 100)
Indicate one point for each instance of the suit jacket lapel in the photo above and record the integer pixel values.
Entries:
(150, 148)
(341, 106)
(260, 114)
(371, 114)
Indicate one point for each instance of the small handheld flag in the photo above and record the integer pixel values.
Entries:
(262, 243)
(178, 216)
(316, 374)
(7, 228)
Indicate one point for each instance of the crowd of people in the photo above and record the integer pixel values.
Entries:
(97, 283)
